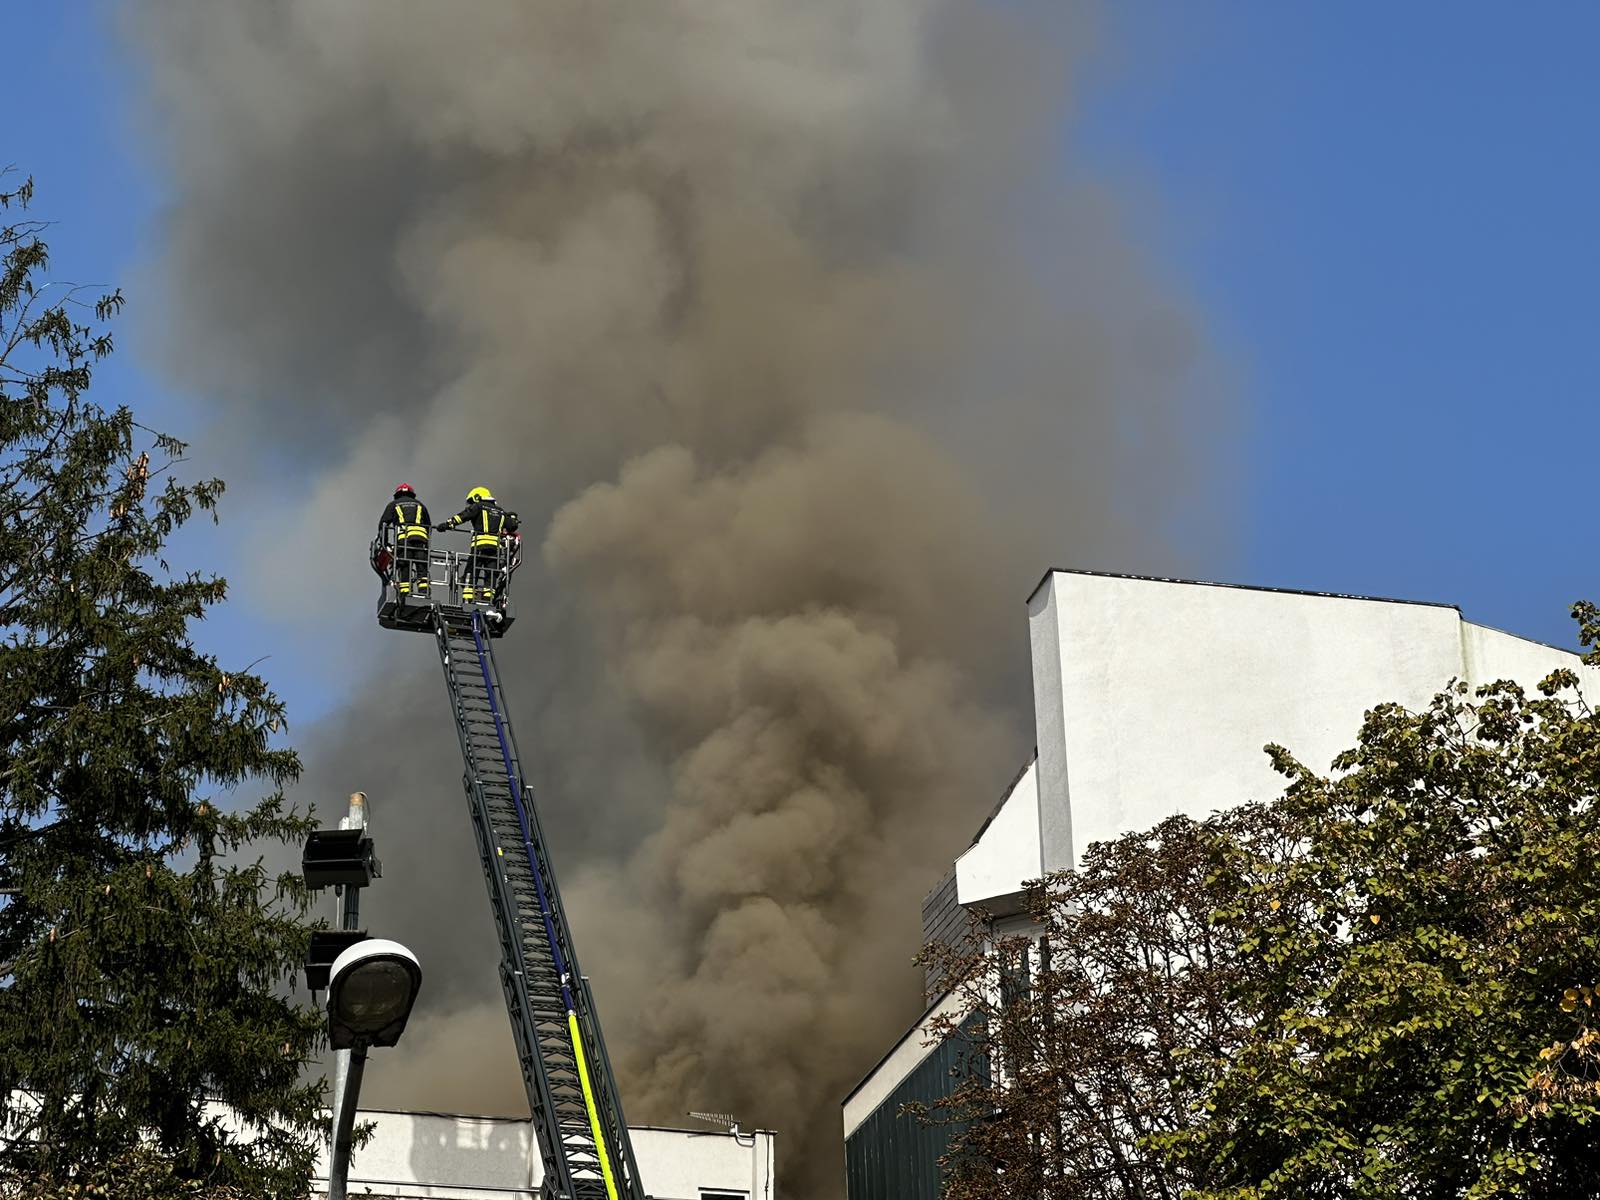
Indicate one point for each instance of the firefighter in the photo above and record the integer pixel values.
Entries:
(489, 523)
(409, 516)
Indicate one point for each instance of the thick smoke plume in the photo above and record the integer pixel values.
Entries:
(791, 327)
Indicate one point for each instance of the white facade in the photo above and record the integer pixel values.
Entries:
(1006, 854)
(416, 1154)
(1157, 696)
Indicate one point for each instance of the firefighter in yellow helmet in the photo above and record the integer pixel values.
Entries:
(488, 523)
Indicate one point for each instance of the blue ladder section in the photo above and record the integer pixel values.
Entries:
(577, 1113)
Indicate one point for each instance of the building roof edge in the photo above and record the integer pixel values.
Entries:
(1522, 637)
(889, 1053)
(1246, 587)
(1001, 803)
(458, 1116)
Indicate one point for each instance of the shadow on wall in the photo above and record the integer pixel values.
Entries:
(461, 1152)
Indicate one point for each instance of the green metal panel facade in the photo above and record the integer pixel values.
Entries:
(896, 1157)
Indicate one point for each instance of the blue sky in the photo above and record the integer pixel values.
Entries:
(99, 188)
(1386, 213)
(68, 132)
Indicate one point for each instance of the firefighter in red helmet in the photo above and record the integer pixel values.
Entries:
(409, 516)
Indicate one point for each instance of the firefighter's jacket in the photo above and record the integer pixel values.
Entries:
(410, 519)
(488, 522)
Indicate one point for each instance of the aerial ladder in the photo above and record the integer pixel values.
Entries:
(572, 1094)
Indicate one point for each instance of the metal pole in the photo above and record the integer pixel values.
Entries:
(347, 1065)
(344, 1122)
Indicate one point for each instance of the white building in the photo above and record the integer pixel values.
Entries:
(450, 1157)
(1153, 697)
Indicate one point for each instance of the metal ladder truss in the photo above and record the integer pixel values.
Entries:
(577, 1114)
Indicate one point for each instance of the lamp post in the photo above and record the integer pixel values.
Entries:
(372, 983)
(371, 988)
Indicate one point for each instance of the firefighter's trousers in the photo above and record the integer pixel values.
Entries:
(411, 566)
(481, 572)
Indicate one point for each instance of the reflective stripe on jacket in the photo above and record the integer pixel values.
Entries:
(488, 522)
(410, 519)
(486, 530)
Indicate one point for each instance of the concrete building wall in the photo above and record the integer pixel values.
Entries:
(451, 1157)
(1490, 654)
(1153, 697)
(1006, 853)
(1156, 696)
(677, 1164)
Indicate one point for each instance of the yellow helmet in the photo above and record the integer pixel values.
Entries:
(479, 493)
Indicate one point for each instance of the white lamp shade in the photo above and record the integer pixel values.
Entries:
(371, 988)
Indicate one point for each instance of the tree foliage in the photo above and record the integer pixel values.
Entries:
(1100, 1033)
(1380, 985)
(142, 954)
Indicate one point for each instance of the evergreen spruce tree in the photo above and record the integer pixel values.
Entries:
(148, 1044)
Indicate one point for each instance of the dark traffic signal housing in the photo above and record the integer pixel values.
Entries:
(339, 857)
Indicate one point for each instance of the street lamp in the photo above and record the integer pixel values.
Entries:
(372, 983)
(371, 988)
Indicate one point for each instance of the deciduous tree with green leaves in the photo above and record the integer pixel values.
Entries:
(147, 1041)
(1423, 994)
(1381, 985)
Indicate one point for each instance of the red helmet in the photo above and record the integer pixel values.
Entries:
(405, 489)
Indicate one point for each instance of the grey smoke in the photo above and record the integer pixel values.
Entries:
(791, 328)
